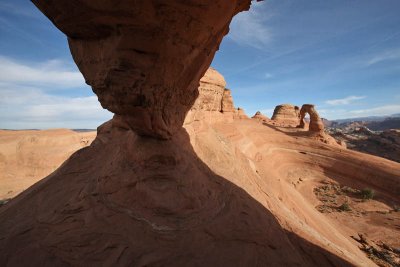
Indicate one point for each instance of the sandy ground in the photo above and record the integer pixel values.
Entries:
(28, 156)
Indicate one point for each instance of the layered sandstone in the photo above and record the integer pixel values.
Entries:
(286, 113)
(144, 59)
(315, 125)
(227, 102)
(211, 91)
(209, 105)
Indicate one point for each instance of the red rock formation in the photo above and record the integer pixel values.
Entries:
(144, 59)
(211, 90)
(208, 106)
(316, 124)
(286, 113)
(227, 102)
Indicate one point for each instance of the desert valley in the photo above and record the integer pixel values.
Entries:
(181, 176)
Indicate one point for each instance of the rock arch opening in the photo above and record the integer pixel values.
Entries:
(315, 124)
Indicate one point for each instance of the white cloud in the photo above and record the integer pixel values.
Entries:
(344, 101)
(248, 28)
(384, 56)
(28, 99)
(28, 108)
(377, 111)
(384, 110)
(52, 73)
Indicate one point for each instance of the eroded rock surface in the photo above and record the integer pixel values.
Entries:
(227, 102)
(260, 117)
(211, 91)
(144, 59)
(286, 113)
(316, 125)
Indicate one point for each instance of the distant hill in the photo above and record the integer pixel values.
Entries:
(375, 123)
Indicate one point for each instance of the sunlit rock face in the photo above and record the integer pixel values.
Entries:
(211, 90)
(144, 59)
(316, 124)
(227, 102)
(286, 113)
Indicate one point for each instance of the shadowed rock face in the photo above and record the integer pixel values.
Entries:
(316, 124)
(144, 59)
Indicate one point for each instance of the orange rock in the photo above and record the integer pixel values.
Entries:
(287, 114)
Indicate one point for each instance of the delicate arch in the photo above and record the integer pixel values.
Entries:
(316, 124)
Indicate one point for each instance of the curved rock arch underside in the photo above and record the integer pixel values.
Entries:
(144, 59)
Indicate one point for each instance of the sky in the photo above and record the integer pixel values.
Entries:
(343, 56)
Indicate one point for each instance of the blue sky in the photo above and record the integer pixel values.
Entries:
(343, 56)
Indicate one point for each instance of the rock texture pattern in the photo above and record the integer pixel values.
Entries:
(227, 102)
(286, 113)
(211, 91)
(316, 124)
(144, 59)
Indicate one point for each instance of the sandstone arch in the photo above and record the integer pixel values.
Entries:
(137, 56)
(316, 124)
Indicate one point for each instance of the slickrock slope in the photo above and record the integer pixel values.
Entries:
(241, 114)
(286, 114)
(28, 156)
(260, 117)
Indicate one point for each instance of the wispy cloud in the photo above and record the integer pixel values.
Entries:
(393, 54)
(376, 111)
(383, 110)
(27, 107)
(268, 75)
(28, 98)
(52, 73)
(248, 28)
(344, 101)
